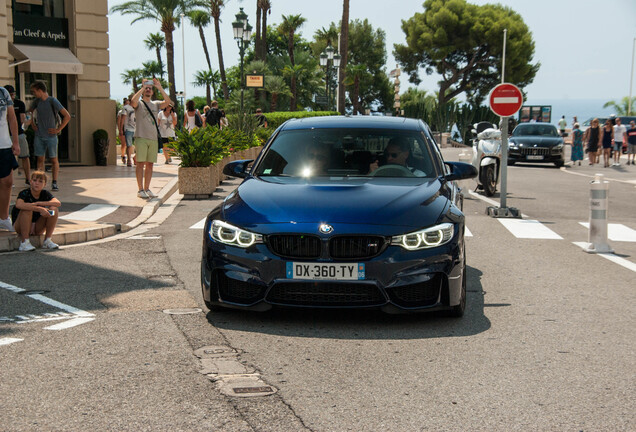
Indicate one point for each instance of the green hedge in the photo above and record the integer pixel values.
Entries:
(275, 119)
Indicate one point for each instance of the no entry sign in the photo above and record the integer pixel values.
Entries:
(505, 100)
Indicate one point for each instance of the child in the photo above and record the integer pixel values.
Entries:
(35, 212)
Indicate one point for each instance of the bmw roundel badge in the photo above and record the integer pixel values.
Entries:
(325, 229)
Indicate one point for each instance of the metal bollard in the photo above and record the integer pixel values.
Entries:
(597, 236)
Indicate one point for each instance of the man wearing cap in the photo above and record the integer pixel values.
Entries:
(9, 149)
(20, 114)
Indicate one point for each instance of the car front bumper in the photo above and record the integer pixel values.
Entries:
(395, 281)
(535, 154)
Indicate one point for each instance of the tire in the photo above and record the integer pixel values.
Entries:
(458, 310)
(559, 164)
(511, 163)
(487, 179)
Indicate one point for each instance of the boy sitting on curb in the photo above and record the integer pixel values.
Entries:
(35, 212)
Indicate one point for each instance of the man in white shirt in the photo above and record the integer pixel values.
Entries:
(620, 136)
(562, 125)
(9, 149)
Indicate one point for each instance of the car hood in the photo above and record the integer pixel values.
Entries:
(361, 202)
(538, 141)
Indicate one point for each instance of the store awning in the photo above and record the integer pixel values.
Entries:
(44, 59)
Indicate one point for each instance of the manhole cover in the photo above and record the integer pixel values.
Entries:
(182, 311)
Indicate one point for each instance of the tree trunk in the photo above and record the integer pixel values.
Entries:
(158, 49)
(264, 40)
(272, 105)
(344, 51)
(219, 50)
(290, 48)
(292, 102)
(134, 83)
(257, 42)
(170, 55)
(205, 48)
(355, 98)
(208, 95)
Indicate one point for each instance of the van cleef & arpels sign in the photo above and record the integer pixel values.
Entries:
(33, 30)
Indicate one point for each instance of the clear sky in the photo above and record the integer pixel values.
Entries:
(584, 46)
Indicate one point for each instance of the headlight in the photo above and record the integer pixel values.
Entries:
(426, 238)
(557, 148)
(513, 144)
(229, 234)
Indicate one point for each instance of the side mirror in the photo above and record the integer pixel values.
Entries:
(460, 171)
(237, 168)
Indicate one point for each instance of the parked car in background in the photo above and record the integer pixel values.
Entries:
(341, 212)
(536, 142)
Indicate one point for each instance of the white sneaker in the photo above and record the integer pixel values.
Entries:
(48, 244)
(26, 246)
(150, 194)
(142, 194)
(6, 224)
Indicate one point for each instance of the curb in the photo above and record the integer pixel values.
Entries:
(11, 242)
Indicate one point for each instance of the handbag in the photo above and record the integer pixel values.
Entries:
(159, 143)
(197, 119)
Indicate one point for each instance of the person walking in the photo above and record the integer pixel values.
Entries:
(147, 133)
(20, 115)
(192, 117)
(631, 142)
(620, 136)
(562, 125)
(213, 117)
(9, 149)
(167, 123)
(607, 138)
(577, 145)
(47, 128)
(591, 137)
(121, 116)
(128, 120)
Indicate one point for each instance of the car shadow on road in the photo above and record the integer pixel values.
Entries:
(361, 324)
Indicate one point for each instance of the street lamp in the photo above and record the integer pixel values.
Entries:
(242, 35)
(329, 58)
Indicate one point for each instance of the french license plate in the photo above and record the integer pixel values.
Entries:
(534, 157)
(325, 271)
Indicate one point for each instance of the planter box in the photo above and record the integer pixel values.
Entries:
(214, 177)
(195, 182)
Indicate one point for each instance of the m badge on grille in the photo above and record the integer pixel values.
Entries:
(325, 229)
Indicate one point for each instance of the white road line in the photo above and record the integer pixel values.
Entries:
(143, 237)
(70, 323)
(467, 232)
(611, 257)
(91, 212)
(483, 198)
(529, 229)
(13, 288)
(57, 304)
(199, 225)
(617, 232)
(7, 341)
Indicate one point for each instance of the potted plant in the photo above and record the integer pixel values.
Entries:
(193, 147)
(100, 146)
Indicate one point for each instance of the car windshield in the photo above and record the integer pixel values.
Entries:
(348, 153)
(535, 129)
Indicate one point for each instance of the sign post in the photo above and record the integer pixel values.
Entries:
(505, 100)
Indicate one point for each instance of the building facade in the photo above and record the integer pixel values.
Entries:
(65, 44)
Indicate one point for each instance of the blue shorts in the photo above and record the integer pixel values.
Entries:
(7, 162)
(129, 138)
(43, 144)
(618, 146)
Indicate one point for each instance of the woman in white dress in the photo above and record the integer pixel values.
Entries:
(167, 119)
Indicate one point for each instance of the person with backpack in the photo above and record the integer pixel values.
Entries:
(192, 118)
(213, 117)
(50, 118)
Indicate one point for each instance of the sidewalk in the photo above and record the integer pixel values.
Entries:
(98, 202)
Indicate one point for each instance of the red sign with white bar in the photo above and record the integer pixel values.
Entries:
(505, 99)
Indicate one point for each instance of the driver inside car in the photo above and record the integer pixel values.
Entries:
(397, 152)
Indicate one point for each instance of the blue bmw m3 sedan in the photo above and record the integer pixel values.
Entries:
(341, 212)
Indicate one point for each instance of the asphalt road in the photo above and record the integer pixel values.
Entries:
(547, 342)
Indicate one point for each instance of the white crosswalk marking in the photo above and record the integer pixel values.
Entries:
(529, 229)
(7, 341)
(199, 225)
(91, 212)
(617, 232)
(467, 233)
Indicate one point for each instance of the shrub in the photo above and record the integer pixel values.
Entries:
(100, 134)
(275, 119)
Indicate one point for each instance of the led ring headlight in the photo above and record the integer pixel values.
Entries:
(426, 238)
(225, 233)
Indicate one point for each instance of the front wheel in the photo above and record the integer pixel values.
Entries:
(488, 180)
(558, 164)
(458, 310)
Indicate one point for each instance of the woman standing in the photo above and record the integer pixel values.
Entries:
(192, 118)
(592, 136)
(577, 144)
(167, 119)
(607, 140)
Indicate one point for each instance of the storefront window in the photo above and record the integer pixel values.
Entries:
(43, 8)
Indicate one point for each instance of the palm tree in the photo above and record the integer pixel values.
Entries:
(152, 69)
(257, 37)
(266, 7)
(324, 37)
(207, 78)
(355, 73)
(167, 12)
(288, 27)
(344, 50)
(275, 85)
(156, 41)
(622, 108)
(132, 76)
(293, 72)
(200, 19)
(215, 11)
